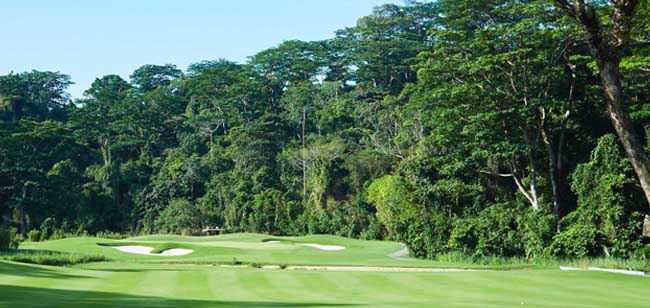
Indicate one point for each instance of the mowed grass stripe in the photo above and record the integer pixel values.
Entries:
(315, 286)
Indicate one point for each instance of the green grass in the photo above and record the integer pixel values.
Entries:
(247, 248)
(194, 281)
(159, 285)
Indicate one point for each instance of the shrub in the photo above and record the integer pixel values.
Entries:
(58, 234)
(608, 220)
(427, 236)
(5, 238)
(47, 227)
(34, 235)
(50, 258)
(494, 232)
(578, 241)
(110, 235)
(642, 253)
(180, 214)
(389, 195)
(17, 239)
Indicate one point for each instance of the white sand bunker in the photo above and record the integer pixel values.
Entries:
(325, 247)
(144, 250)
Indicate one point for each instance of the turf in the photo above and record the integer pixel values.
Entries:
(158, 285)
(194, 280)
(245, 248)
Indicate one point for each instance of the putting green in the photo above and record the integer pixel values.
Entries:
(195, 280)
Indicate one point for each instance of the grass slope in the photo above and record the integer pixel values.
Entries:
(158, 285)
(246, 248)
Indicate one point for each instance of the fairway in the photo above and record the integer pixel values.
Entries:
(205, 278)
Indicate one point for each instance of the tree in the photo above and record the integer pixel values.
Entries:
(150, 77)
(607, 42)
(35, 95)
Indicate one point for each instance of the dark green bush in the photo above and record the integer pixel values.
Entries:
(34, 235)
(5, 238)
(494, 232)
(578, 241)
(111, 235)
(608, 218)
(50, 258)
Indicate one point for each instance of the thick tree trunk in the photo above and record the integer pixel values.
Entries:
(610, 78)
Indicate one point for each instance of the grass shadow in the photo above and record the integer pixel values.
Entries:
(17, 296)
(24, 270)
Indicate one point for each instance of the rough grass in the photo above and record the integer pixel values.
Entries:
(53, 258)
(544, 263)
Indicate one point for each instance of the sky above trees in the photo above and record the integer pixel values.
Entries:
(86, 39)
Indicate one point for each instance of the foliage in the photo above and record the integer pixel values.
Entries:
(35, 235)
(180, 216)
(7, 236)
(50, 258)
(606, 220)
(455, 127)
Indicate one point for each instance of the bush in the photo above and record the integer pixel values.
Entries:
(34, 235)
(495, 232)
(643, 253)
(18, 238)
(427, 236)
(47, 227)
(110, 235)
(608, 219)
(578, 241)
(50, 258)
(58, 234)
(5, 238)
(180, 214)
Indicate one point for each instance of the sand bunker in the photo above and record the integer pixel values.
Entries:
(144, 250)
(325, 247)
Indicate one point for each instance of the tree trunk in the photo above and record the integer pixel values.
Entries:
(610, 78)
(607, 45)
(304, 164)
(22, 220)
(553, 175)
(554, 149)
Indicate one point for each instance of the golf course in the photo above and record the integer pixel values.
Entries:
(333, 153)
(254, 270)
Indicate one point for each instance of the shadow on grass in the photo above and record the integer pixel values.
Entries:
(141, 270)
(17, 269)
(16, 296)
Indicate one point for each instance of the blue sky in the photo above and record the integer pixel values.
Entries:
(88, 39)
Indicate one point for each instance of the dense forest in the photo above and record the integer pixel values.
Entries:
(482, 127)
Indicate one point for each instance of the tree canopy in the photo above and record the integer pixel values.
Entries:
(491, 127)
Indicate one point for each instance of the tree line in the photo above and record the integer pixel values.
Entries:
(485, 128)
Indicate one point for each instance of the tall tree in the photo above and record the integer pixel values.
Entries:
(608, 40)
